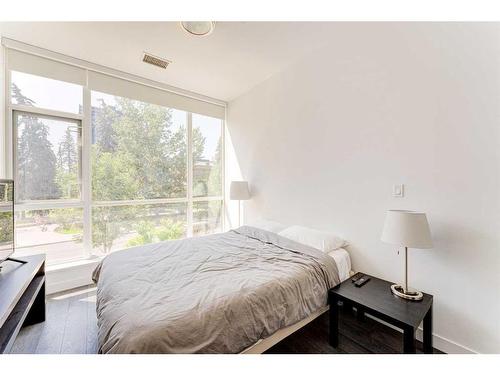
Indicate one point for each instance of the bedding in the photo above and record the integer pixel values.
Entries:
(215, 294)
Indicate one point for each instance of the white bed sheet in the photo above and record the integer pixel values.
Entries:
(343, 260)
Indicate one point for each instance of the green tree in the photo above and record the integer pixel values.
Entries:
(35, 158)
(6, 228)
(19, 98)
(170, 230)
(143, 139)
(104, 116)
(112, 177)
(198, 144)
(155, 151)
(67, 166)
(214, 179)
(105, 227)
(67, 156)
(137, 154)
(111, 180)
(68, 221)
(36, 161)
(147, 232)
(201, 166)
(6, 223)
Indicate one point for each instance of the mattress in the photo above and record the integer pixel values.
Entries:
(343, 261)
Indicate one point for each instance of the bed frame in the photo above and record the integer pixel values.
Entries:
(263, 344)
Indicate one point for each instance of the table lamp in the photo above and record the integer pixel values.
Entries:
(407, 229)
(239, 191)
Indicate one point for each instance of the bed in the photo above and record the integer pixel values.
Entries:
(234, 292)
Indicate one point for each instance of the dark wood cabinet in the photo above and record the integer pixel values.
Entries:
(22, 297)
(375, 298)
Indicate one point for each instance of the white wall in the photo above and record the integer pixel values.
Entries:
(323, 142)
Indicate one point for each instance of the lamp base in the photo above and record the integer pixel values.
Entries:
(412, 295)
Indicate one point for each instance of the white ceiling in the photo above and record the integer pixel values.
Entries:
(233, 59)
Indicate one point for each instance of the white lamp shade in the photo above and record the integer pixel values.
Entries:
(239, 191)
(407, 228)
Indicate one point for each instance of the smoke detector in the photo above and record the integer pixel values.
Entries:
(160, 62)
(198, 28)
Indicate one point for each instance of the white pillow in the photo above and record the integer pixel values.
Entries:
(270, 226)
(311, 237)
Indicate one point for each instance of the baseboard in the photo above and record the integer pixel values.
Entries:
(445, 345)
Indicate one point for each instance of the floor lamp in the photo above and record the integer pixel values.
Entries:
(239, 192)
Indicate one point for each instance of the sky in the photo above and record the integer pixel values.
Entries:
(67, 97)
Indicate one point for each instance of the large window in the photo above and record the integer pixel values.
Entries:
(143, 146)
(47, 167)
(108, 172)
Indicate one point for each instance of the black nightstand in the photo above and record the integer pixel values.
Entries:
(375, 298)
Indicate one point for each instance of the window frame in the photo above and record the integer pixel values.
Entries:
(9, 148)
(44, 114)
(47, 204)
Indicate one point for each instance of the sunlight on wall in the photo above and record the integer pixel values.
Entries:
(232, 173)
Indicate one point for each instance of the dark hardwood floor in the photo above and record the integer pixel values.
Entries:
(71, 327)
(356, 336)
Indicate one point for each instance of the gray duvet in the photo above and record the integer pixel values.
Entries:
(214, 294)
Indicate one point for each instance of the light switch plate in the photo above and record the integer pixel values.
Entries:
(398, 191)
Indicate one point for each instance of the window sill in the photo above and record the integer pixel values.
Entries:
(73, 264)
(70, 275)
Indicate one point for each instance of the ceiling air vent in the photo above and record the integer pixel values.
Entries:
(155, 60)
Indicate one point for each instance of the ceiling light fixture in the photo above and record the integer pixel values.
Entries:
(198, 28)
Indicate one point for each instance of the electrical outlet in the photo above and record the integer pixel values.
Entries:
(398, 191)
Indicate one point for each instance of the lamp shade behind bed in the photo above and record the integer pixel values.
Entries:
(239, 192)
